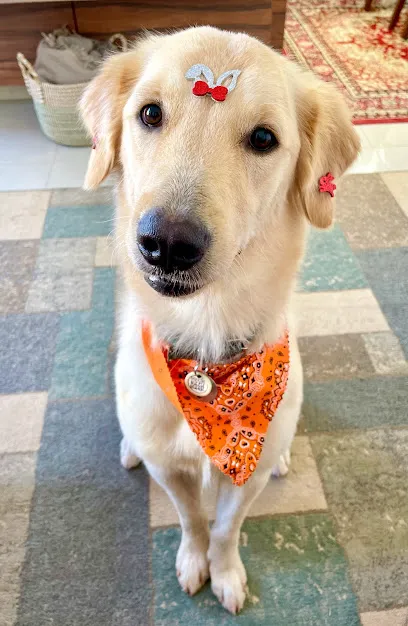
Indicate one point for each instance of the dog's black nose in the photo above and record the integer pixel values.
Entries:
(170, 243)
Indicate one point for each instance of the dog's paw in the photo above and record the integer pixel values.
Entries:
(230, 585)
(192, 567)
(127, 458)
(282, 468)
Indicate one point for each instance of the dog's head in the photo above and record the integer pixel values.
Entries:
(203, 177)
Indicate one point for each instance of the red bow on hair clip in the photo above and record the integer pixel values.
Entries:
(218, 93)
(325, 184)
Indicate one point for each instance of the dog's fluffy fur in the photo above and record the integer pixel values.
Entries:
(256, 207)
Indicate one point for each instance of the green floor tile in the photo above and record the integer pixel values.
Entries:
(81, 221)
(355, 403)
(330, 263)
(81, 360)
(297, 576)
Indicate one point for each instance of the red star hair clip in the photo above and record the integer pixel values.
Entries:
(326, 184)
(217, 91)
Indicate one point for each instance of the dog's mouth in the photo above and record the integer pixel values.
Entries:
(172, 288)
(176, 287)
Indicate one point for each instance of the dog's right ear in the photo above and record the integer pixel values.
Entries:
(102, 104)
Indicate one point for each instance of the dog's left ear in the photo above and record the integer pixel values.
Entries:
(102, 106)
(329, 143)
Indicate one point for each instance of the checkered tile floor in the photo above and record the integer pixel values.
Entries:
(84, 543)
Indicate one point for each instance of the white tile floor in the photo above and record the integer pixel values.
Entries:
(28, 160)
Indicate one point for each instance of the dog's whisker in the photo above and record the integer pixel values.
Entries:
(117, 247)
(248, 282)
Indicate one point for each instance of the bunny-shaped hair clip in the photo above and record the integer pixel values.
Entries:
(217, 91)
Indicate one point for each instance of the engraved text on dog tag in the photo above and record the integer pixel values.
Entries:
(201, 385)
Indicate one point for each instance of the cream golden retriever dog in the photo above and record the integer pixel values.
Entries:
(213, 202)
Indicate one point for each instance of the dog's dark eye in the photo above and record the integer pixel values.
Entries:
(262, 139)
(151, 115)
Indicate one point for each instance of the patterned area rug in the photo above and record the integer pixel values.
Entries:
(85, 543)
(354, 49)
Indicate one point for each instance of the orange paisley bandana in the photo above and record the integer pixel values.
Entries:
(230, 429)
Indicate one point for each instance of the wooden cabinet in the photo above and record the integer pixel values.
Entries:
(20, 31)
(22, 23)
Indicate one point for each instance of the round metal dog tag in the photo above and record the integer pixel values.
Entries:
(201, 385)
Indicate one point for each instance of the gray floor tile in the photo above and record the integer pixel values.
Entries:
(17, 260)
(87, 550)
(369, 214)
(27, 351)
(387, 273)
(334, 356)
(365, 477)
(62, 280)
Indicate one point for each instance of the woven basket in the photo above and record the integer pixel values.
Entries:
(56, 106)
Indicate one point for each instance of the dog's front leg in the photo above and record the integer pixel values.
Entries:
(184, 489)
(228, 575)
